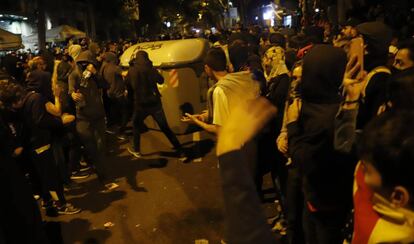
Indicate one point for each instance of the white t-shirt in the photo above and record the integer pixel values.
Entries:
(220, 107)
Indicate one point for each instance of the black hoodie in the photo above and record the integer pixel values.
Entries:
(143, 79)
(91, 108)
(40, 81)
(327, 174)
(111, 73)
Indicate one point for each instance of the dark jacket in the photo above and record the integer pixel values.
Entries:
(143, 79)
(377, 36)
(111, 73)
(91, 108)
(327, 174)
(38, 123)
(277, 92)
(21, 219)
(40, 81)
(375, 96)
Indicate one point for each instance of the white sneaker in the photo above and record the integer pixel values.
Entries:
(111, 186)
(134, 153)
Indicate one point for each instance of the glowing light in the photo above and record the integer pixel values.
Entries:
(316, 10)
(268, 15)
(48, 23)
(256, 18)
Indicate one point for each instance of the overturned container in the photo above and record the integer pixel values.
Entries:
(181, 64)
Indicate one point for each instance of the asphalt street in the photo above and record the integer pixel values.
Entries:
(159, 200)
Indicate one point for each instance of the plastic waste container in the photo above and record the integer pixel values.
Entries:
(181, 64)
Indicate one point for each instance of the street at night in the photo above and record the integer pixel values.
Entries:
(206, 121)
(159, 200)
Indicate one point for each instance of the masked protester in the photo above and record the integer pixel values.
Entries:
(404, 58)
(85, 86)
(143, 78)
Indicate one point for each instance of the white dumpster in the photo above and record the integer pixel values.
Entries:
(181, 64)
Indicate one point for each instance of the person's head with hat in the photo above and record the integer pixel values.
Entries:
(377, 39)
(349, 28)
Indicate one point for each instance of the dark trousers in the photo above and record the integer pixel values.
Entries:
(324, 227)
(47, 172)
(61, 162)
(118, 112)
(67, 152)
(294, 207)
(158, 115)
(92, 136)
(271, 160)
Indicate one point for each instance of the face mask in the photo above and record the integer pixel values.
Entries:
(395, 70)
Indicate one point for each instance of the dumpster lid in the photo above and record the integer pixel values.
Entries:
(169, 54)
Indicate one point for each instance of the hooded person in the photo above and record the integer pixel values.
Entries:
(326, 174)
(64, 69)
(143, 79)
(85, 88)
(377, 38)
(111, 73)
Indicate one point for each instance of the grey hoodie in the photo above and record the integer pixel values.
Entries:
(239, 88)
(111, 73)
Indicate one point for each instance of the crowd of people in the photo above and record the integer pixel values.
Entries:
(332, 128)
(331, 122)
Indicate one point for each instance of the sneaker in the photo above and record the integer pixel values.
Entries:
(134, 153)
(68, 209)
(84, 168)
(110, 132)
(280, 227)
(111, 186)
(181, 155)
(183, 158)
(46, 204)
(71, 186)
(79, 175)
(121, 137)
(51, 211)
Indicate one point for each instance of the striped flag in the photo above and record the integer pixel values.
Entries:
(174, 78)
